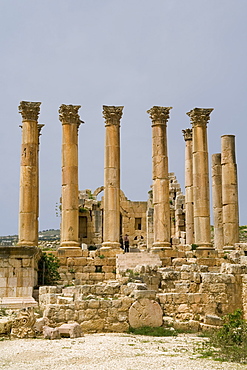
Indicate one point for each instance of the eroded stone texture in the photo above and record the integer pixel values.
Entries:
(22, 326)
(189, 205)
(28, 202)
(68, 115)
(229, 191)
(199, 118)
(111, 227)
(217, 201)
(145, 312)
(161, 204)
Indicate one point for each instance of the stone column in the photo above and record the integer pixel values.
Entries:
(199, 118)
(28, 209)
(68, 115)
(229, 191)
(217, 201)
(111, 220)
(161, 202)
(189, 207)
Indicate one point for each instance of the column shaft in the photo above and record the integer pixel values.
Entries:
(28, 202)
(68, 115)
(189, 205)
(229, 191)
(199, 119)
(217, 201)
(111, 223)
(161, 202)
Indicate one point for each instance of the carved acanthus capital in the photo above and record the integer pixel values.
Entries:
(159, 115)
(200, 116)
(112, 114)
(68, 114)
(187, 134)
(29, 110)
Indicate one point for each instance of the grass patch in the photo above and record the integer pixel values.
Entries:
(230, 342)
(153, 332)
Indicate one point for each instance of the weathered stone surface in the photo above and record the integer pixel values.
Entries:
(145, 312)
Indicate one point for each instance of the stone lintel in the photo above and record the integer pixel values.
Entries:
(112, 114)
(68, 114)
(187, 133)
(159, 115)
(19, 251)
(199, 116)
(29, 110)
(17, 302)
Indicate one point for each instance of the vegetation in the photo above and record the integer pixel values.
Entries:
(230, 342)
(154, 332)
(48, 269)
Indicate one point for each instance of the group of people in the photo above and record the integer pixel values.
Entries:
(124, 243)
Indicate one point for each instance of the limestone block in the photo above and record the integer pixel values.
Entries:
(126, 302)
(213, 320)
(145, 312)
(97, 276)
(93, 303)
(214, 278)
(93, 325)
(5, 325)
(50, 333)
(109, 276)
(90, 269)
(3, 282)
(139, 294)
(190, 325)
(72, 329)
(117, 327)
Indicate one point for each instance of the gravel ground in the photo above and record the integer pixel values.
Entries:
(107, 352)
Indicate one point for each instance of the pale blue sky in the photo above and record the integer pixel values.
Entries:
(136, 53)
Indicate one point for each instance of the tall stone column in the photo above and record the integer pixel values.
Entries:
(68, 115)
(111, 219)
(161, 202)
(28, 203)
(217, 201)
(229, 191)
(189, 207)
(199, 118)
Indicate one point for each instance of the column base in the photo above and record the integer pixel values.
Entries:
(26, 244)
(205, 246)
(161, 246)
(110, 249)
(69, 244)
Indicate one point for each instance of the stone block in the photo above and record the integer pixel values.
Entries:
(93, 303)
(139, 294)
(145, 312)
(26, 262)
(3, 282)
(110, 269)
(97, 276)
(110, 276)
(69, 252)
(213, 320)
(80, 261)
(93, 326)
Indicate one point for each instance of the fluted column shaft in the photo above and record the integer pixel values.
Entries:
(199, 119)
(111, 225)
(217, 201)
(28, 202)
(161, 202)
(229, 191)
(189, 207)
(68, 115)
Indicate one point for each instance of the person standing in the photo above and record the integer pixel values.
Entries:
(126, 243)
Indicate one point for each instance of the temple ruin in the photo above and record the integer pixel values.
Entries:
(178, 271)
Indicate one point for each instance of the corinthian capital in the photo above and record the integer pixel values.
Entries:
(29, 110)
(200, 116)
(159, 114)
(112, 114)
(69, 114)
(187, 134)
